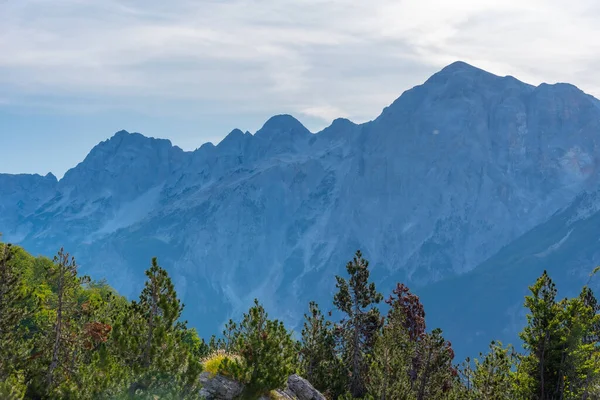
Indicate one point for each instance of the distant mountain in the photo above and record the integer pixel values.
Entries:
(449, 174)
(21, 195)
(488, 301)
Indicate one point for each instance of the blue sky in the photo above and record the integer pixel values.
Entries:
(73, 72)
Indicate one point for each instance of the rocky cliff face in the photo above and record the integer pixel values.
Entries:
(446, 176)
(21, 195)
(487, 302)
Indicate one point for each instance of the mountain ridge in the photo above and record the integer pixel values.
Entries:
(457, 68)
(445, 177)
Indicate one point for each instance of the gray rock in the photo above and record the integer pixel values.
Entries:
(219, 387)
(280, 395)
(302, 389)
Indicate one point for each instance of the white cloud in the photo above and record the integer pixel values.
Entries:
(313, 57)
(326, 112)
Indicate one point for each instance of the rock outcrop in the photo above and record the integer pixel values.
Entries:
(219, 387)
(302, 389)
(278, 395)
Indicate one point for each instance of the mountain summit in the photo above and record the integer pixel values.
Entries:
(463, 69)
(449, 174)
(281, 125)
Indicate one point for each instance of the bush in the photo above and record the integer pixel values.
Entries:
(13, 387)
(268, 354)
(216, 363)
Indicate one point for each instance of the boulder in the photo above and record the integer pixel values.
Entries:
(219, 387)
(302, 389)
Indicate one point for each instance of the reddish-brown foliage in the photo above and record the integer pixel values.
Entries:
(412, 310)
(96, 333)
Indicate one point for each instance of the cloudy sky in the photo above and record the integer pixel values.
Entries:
(73, 72)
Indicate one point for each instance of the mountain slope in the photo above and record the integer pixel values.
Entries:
(21, 195)
(446, 176)
(489, 300)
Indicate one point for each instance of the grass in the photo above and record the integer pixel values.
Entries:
(213, 362)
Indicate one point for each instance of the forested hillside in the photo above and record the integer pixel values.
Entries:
(65, 336)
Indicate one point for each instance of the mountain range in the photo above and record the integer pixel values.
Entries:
(466, 188)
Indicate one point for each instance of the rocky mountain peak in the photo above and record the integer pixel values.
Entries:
(51, 177)
(234, 140)
(280, 125)
(125, 158)
(342, 123)
(460, 70)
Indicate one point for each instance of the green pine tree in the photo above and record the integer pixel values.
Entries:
(268, 353)
(14, 309)
(395, 369)
(493, 378)
(435, 370)
(357, 298)
(409, 363)
(102, 374)
(589, 385)
(389, 373)
(57, 345)
(319, 361)
(153, 343)
(562, 344)
(541, 339)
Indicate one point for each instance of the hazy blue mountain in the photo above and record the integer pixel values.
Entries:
(488, 301)
(450, 173)
(21, 195)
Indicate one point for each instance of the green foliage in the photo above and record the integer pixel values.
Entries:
(194, 343)
(268, 352)
(159, 351)
(409, 363)
(435, 370)
(216, 363)
(15, 307)
(13, 387)
(63, 336)
(319, 361)
(561, 339)
(594, 272)
(392, 359)
(493, 376)
(356, 298)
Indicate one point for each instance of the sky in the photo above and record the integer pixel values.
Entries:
(74, 72)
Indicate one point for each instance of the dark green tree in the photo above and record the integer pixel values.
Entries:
(590, 351)
(58, 344)
(160, 309)
(409, 363)
(14, 309)
(357, 299)
(319, 361)
(407, 312)
(389, 373)
(395, 368)
(268, 352)
(541, 339)
(562, 344)
(153, 343)
(196, 345)
(435, 371)
(493, 377)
